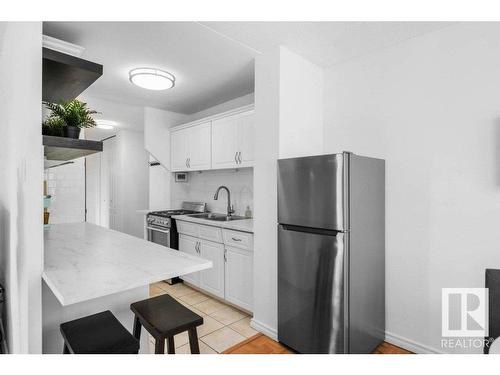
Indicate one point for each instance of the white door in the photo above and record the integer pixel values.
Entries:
(239, 277)
(246, 139)
(212, 279)
(224, 142)
(179, 149)
(199, 155)
(189, 245)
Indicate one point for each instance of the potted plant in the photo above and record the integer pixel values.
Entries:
(70, 116)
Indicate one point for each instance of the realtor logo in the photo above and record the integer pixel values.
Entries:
(464, 312)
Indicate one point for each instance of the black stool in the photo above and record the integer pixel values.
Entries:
(163, 317)
(100, 333)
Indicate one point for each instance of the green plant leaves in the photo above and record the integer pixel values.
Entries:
(70, 113)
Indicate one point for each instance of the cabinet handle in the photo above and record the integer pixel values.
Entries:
(236, 157)
(187, 163)
(239, 156)
(198, 247)
(225, 257)
(236, 239)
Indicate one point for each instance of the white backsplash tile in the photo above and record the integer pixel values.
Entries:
(201, 186)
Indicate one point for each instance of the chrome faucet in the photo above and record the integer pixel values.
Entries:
(230, 209)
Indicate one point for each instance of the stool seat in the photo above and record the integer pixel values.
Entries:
(163, 317)
(100, 333)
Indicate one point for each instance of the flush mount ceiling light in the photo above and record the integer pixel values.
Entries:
(105, 124)
(151, 78)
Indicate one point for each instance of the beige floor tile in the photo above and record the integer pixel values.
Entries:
(180, 339)
(155, 291)
(209, 306)
(209, 325)
(179, 290)
(227, 315)
(204, 349)
(194, 298)
(161, 284)
(200, 313)
(243, 327)
(223, 339)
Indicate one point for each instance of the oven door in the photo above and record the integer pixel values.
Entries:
(160, 236)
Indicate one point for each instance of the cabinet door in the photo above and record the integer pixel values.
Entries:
(179, 149)
(199, 147)
(212, 279)
(224, 142)
(188, 245)
(246, 130)
(239, 277)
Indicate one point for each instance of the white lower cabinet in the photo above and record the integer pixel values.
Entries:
(189, 245)
(239, 277)
(231, 253)
(212, 280)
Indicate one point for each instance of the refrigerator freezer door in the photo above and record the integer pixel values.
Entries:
(311, 191)
(311, 290)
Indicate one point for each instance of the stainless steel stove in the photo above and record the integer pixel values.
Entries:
(161, 228)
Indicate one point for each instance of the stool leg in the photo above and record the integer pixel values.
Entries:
(65, 349)
(193, 341)
(137, 328)
(170, 345)
(160, 346)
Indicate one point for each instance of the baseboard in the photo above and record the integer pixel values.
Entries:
(410, 345)
(264, 328)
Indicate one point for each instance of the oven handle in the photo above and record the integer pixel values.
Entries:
(167, 231)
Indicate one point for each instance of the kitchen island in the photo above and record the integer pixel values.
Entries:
(89, 269)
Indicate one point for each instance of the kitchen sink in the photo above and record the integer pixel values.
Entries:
(216, 217)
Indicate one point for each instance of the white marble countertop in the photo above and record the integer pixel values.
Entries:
(244, 225)
(84, 261)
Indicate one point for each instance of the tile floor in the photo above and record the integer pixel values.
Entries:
(223, 326)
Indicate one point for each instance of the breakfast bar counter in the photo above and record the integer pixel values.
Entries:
(89, 269)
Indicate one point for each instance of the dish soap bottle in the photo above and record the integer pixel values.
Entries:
(248, 213)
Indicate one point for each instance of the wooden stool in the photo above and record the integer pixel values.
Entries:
(163, 317)
(100, 333)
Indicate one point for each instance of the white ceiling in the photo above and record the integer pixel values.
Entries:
(213, 61)
(324, 43)
(209, 69)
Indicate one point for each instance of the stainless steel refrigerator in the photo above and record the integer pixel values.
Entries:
(331, 263)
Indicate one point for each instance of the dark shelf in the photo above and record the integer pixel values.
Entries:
(65, 76)
(64, 149)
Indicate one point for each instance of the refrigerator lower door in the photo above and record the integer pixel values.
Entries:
(311, 289)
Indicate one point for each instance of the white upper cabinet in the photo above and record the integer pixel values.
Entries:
(233, 141)
(217, 142)
(224, 143)
(199, 147)
(190, 148)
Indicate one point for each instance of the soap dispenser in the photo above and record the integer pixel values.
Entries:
(248, 213)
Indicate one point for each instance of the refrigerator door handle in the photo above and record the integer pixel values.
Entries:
(297, 228)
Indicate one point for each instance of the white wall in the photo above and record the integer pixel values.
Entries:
(223, 107)
(301, 106)
(21, 174)
(430, 107)
(289, 123)
(201, 187)
(66, 185)
(133, 180)
(157, 143)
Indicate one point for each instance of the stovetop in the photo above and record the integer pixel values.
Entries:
(169, 213)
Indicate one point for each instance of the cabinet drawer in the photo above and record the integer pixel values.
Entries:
(185, 227)
(235, 238)
(210, 233)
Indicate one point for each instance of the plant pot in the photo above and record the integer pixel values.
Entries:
(71, 132)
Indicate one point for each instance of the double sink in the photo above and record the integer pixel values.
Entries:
(216, 217)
